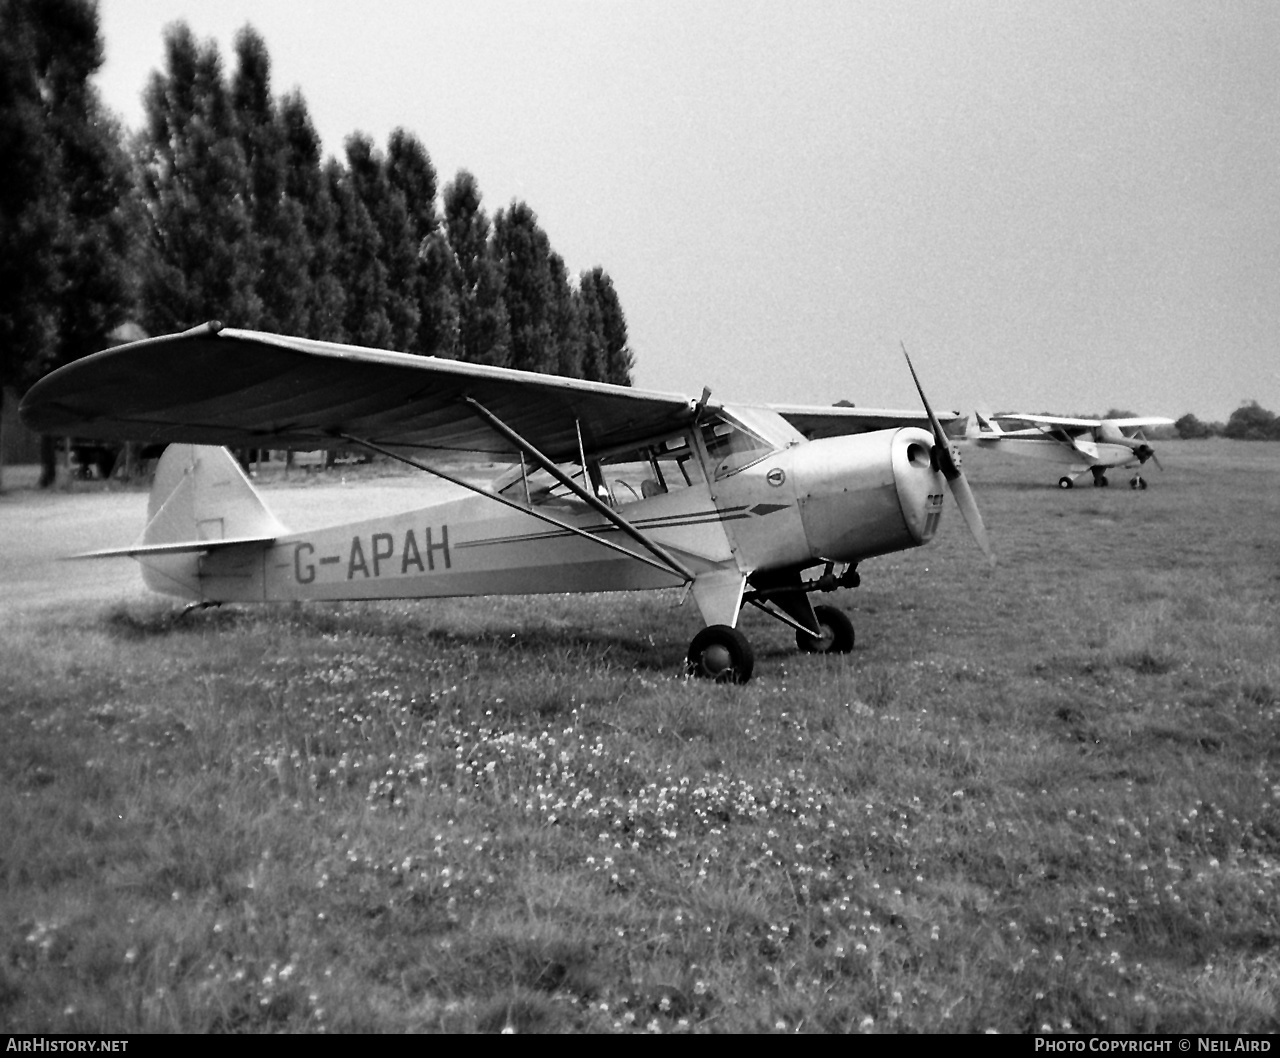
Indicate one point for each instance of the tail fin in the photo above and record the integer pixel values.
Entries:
(200, 501)
(200, 495)
(985, 428)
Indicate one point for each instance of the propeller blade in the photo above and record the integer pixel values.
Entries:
(968, 506)
(942, 450)
(956, 481)
(1151, 452)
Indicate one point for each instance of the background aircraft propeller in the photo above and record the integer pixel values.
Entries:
(956, 481)
(1144, 451)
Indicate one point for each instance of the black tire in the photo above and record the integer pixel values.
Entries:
(722, 654)
(1065, 482)
(1101, 482)
(837, 633)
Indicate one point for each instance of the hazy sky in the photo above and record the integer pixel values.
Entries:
(1056, 205)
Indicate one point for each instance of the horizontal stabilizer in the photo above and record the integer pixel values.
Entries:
(200, 502)
(182, 547)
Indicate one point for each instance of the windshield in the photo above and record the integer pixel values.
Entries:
(739, 440)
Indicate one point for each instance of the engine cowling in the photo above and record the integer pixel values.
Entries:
(867, 494)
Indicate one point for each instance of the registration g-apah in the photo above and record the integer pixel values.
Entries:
(607, 488)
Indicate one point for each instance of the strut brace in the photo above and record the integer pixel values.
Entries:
(530, 510)
(672, 563)
(778, 615)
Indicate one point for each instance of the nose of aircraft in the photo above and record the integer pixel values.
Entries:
(869, 494)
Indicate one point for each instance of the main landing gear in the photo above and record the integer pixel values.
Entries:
(837, 633)
(1100, 482)
(1099, 479)
(723, 654)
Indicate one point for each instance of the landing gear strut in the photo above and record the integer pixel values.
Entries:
(722, 653)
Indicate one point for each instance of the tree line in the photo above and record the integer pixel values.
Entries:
(223, 206)
(1249, 422)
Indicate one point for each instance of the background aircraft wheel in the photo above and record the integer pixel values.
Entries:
(837, 633)
(1065, 482)
(1138, 483)
(722, 654)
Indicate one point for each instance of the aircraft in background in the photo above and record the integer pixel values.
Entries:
(1095, 445)
(608, 488)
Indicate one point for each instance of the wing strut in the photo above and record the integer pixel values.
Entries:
(531, 510)
(590, 499)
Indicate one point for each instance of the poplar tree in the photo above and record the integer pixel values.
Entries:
(201, 257)
(566, 321)
(306, 184)
(66, 272)
(65, 216)
(279, 228)
(397, 248)
(524, 252)
(484, 335)
(618, 358)
(412, 175)
(358, 265)
(591, 319)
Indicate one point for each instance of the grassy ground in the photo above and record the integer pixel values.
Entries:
(1046, 799)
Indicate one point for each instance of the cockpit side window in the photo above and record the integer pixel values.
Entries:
(536, 486)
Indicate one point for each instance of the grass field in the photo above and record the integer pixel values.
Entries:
(1044, 799)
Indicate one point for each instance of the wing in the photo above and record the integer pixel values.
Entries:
(1141, 421)
(819, 421)
(1049, 420)
(239, 388)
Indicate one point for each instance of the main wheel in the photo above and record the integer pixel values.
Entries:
(722, 654)
(837, 633)
(1065, 482)
(1101, 482)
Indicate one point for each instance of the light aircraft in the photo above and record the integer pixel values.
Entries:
(1095, 445)
(734, 503)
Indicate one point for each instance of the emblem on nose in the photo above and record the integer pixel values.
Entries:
(776, 476)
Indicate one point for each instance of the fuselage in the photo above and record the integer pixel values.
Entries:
(784, 503)
(1085, 453)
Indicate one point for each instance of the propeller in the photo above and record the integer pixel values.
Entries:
(956, 481)
(1144, 451)
(1138, 444)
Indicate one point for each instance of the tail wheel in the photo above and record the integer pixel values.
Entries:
(836, 629)
(722, 654)
(1065, 482)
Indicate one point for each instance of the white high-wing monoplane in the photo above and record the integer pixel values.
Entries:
(609, 488)
(1095, 445)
